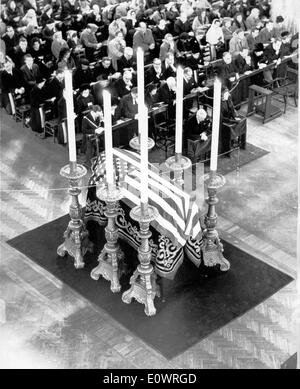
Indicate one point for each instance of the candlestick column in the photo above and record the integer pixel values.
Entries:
(178, 163)
(76, 242)
(111, 257)
(212, 248)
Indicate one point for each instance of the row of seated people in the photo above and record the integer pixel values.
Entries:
(88, 95)
(21, 81)
(58, 44)
(65, 33)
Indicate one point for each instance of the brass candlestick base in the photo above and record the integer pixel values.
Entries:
(135, 143)
(178, 164)
(143, 281)
(111, 255)
(76, 242)
(212, 247)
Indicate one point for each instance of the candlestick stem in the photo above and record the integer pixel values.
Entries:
(212, 248)
(178, 164)
(76, 242)
(111, 257)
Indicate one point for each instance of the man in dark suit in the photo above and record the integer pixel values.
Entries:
(92, 123)
(154, 74)
(128, 108)
(37, 97)
(123, 85)
(126, 61)
(199, 126)
(30, 72)
(166, 94)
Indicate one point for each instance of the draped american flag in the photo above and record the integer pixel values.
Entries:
(179, 216)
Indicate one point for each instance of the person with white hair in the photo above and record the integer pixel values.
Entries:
(167, 94)
(253, 20)
(57, 44)
(115, 48)
(126, 61)
(143, 38)
(167, 46)
(198, 126)
(124, 85)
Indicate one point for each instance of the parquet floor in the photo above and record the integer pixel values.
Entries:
(45, 324)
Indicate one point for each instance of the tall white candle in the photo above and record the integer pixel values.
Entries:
(140, 84)
(70, 115)
(179, 111)
(108, 139)
(144, 155)
(216, 125)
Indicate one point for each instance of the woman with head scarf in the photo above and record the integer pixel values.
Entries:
(215, 38)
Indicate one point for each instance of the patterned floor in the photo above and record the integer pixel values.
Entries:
(44, 323)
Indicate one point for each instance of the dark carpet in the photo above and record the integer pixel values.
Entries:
(196, 304)
(238, 158)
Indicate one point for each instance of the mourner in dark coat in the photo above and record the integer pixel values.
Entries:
(30, 72)
(37, 97)
(127, 109)
(83, 74)
(155, 73)
(198, 126)
(123, 85)
(91, 124)
(126, 61)
(11, 82)
(166, 93)
(245, 65)
(228, 73)
(228, 117)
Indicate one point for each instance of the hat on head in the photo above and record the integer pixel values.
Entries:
(259, 47)
(84, 87)
(284, 34)
(184, 35)
(279, 19)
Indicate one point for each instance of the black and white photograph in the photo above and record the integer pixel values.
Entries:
(149, 170)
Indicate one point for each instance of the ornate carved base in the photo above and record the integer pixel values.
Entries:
(143, 281)
(110, 267)
(143, 289)
(212, 255)
(212, 248)
(111, 258)
(76, 243)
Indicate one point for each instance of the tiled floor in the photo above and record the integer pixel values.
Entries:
(44, 323)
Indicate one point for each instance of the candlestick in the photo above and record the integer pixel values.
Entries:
(212, 247)
(111, 257)
(140, 85)
(143, 281)
(108, 139)
(70, 115)
(76, 241)
(179, 111)
(144, 155)
(216, 125)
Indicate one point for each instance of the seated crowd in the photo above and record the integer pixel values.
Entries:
(98, 39)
